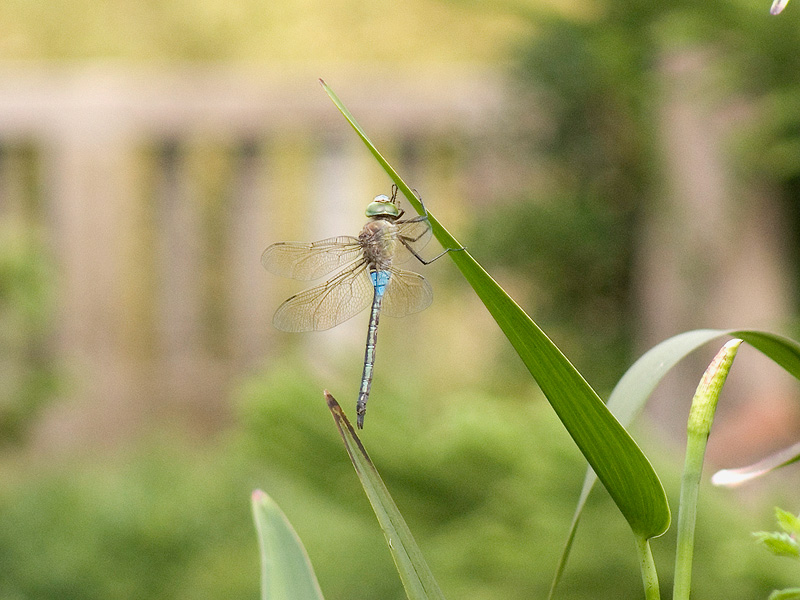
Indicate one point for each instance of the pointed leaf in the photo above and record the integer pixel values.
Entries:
(286, 572)
(637, 384)
(778, 6)
(415, 574)
(618, 461)
(734, 477)
(698, 429)
(780, 544)
(789, 522)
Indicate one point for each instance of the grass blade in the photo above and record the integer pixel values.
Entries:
(637, 384)
(734, 477)
(647, 566)
(787, 594)
(415, 574)
(286, 572)
(701, 417)
(615, 457)
(442, 235)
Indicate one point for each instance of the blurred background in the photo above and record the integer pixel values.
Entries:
(627, 170)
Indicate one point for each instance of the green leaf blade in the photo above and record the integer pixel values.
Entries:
(701, 418)
(609, 449)
(637, 384)
(286, 571)
(735, 477)
(780, 544)
(631, 393)
(414, 572)
(789, 522)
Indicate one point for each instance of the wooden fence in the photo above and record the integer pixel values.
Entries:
(158, 190)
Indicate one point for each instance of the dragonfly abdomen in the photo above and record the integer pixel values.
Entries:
(380, 279)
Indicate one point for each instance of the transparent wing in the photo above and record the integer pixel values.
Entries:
(416, 234)
(328, 304)
(406, 293)
(308, 261)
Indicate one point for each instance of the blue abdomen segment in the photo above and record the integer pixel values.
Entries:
(380, 279)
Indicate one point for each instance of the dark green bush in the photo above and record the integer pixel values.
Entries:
(488, 489)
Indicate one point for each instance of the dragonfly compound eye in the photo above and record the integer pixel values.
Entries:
(382, 205)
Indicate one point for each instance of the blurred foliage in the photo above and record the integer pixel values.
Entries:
(594, 81)
(165, 520)
(489, 484)
(782, 543)
(573, 259)
(488, 492)
(26, 371)
(251, 30)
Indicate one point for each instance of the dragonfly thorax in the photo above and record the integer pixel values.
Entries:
(378, 239)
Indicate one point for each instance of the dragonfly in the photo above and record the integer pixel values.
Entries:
(366, 275)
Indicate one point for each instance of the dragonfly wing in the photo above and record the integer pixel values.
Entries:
(308, 261)
(326, 305)
(406, 293)
(416, 234)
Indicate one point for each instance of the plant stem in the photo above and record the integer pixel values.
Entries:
(687, 516)
(648, 568)
(701, 416)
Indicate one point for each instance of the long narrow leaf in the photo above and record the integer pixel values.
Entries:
(698, 429)
(734, 477)
(286, 572)
(637, 384)
(787, 594)
(415, 574)
(615, 457)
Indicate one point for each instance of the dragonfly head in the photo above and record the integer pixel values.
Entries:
(382, 206)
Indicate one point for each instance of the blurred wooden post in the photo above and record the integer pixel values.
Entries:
(13, 204)
(88, 191)
(713, 254)
(340, 196)
(250, 198)
(179, 252)
(89, 179)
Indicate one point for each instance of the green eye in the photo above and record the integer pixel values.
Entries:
(382, 205)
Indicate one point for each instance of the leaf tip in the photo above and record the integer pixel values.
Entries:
(778, 6)
(260, 503)
(732, 344)
(331, 401)
(730, 478)
(336, 411)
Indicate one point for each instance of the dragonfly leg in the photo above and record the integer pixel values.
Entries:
(419, 218)
(393, 200)
(435, 258)
(421, 203)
